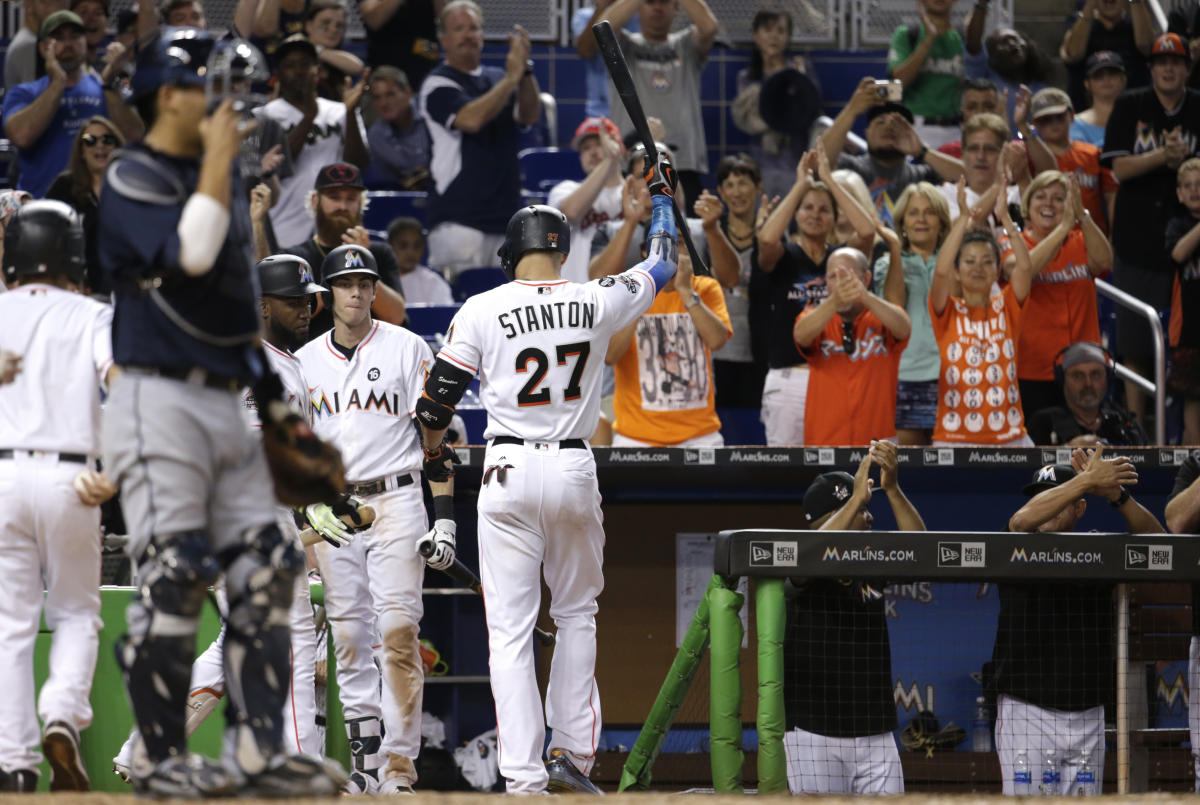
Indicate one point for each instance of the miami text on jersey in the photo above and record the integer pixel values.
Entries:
(388, 405)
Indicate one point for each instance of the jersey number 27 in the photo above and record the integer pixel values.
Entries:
(529, 393)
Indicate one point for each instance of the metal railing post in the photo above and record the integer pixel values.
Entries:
(1122, 690)
(1159, 387)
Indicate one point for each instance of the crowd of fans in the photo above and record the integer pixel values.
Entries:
(936, 285)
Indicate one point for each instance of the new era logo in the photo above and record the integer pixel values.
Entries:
(1149, 557)
(762, 554)
(962, 554)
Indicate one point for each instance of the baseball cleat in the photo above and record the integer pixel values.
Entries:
(185, 777)
(296, 776)
(60, 744)
(565, 778)
(21, 781)
(395, 785)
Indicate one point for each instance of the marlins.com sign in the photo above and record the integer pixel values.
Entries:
(1057, 557)
(835, 554)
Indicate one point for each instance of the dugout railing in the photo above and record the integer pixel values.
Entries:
(768, 557)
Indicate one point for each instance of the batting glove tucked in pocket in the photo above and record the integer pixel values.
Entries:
(437, 546)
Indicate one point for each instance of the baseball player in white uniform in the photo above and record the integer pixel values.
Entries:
(286, 305)
(364, 379)
(537, 345)
(49, 529)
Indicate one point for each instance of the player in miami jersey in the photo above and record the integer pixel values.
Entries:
(364, 379)
(49, 531)
(537, 345)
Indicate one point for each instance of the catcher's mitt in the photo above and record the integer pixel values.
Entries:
(305, 469)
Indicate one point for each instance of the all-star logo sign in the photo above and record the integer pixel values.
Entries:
(762, 554)
(552, 239)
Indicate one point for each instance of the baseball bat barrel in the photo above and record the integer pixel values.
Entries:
(618, 70)
(466, 577)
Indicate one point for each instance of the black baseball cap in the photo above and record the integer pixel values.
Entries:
(292, 42)
(286, 275)
(1104, 60)
(887, 107)
(828, 493)
(339, 174)
(1048, 477)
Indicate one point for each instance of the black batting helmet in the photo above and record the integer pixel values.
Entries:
(348, 259)
(533, 228)
(44, 237)
(286, 275)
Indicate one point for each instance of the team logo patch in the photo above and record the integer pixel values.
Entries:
(552, 239)
(613, 279)
(306, 274)
(373, 374)
(340, 173)
(354, 259)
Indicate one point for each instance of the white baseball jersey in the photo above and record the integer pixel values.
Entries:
(538, 348)
(365, 404)
(65, 343)
(295, 389)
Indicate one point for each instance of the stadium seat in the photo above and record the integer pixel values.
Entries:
(384, 205)
(542, 168)
(477, 280)
(427, 320)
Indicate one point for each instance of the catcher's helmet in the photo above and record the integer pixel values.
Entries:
(44, 237)
(533, 228)
(286, 275)
(348, 259)
(192, 57)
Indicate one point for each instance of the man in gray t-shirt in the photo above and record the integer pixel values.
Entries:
(666, 70)
(896, 155)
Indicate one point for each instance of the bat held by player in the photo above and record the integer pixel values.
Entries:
(466, 577)
(618, 70)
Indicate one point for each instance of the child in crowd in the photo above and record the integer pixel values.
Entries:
(1183, 237)
(422, 285)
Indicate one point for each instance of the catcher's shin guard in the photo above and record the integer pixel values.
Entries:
(156, 653)
(257, 657)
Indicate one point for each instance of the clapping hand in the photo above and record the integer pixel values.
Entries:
(708, 208)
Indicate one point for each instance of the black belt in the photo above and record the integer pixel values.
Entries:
(378, 486)
(565, 444)
(73, 458)
(195, 375)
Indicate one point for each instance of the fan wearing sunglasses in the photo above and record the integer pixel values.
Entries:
(79, 185)
(852, 342)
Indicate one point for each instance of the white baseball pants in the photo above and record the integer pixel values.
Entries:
(1021, 725)
(543, 516)
(818, 764)
(49, 556)
(373, 602)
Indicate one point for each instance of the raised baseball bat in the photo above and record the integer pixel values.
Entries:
(618, 70)
(467, 578)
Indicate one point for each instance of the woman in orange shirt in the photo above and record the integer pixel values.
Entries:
(979, 401)
(1068, 251)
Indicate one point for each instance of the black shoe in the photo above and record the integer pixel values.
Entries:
(185, 777)
(296, 776)
(60, 743)
(565, 778)
(19, 781)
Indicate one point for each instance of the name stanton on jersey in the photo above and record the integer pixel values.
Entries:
(547, 316)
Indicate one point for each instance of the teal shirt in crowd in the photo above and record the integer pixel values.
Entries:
(920, 361)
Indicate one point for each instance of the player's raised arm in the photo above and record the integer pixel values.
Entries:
(661, 249)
